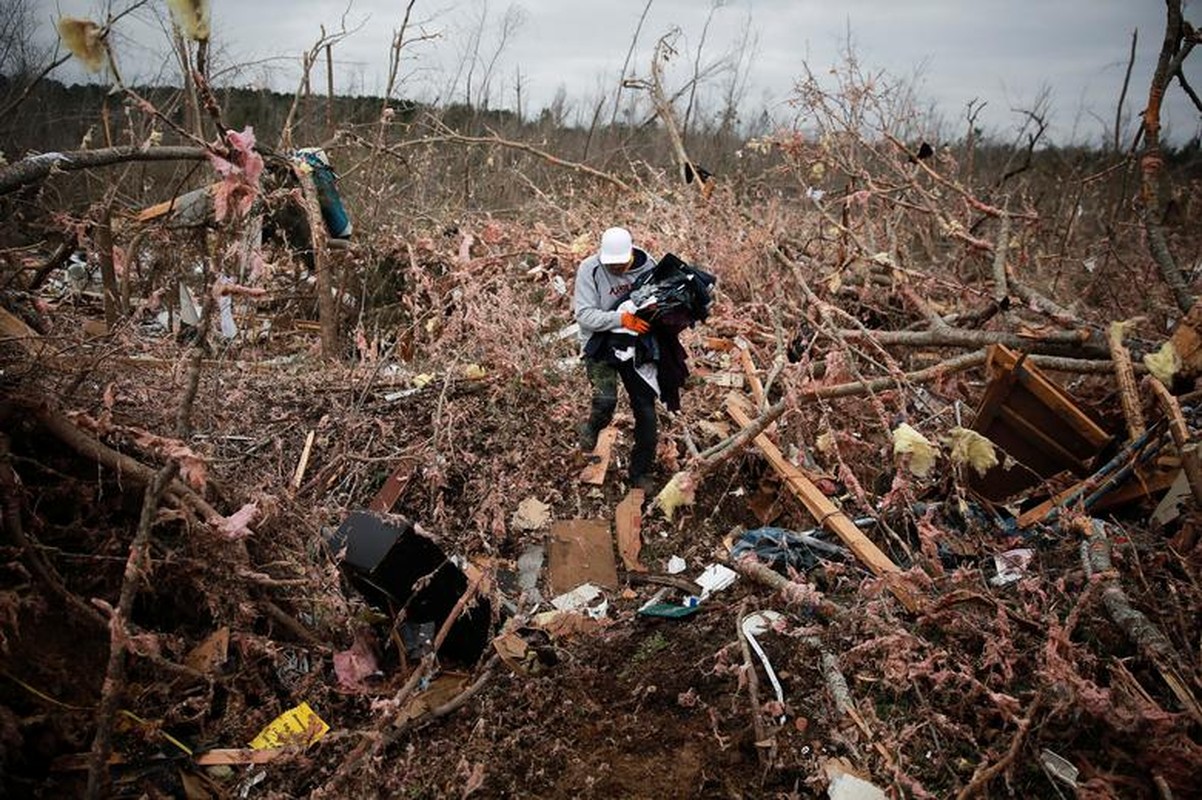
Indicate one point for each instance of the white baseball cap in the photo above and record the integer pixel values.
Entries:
(616, 246)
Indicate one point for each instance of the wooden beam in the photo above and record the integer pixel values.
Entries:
(753, 379)
(827, 513)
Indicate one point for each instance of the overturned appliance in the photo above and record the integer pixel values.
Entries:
(400, 570)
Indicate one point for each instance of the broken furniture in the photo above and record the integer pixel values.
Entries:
(1034, 422)
(399, 569)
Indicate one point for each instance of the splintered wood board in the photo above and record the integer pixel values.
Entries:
(594, 473)
(825, 511)
(628, 521)
(581, 551)
(393, 487)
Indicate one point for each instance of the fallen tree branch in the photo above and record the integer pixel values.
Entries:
(114, 678)
(39, 167)
(71, 435)
(836, 683)
(763, 745)
(793, 591)
(983, 775)
(1044, 305)
(1063, 343)
(1124, 375)
(1191, 458)
(10, 498)
(392, 726)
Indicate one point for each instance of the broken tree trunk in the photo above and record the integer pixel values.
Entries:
(663, 109)
(1173, 51)
(39, 167)
(108, 272)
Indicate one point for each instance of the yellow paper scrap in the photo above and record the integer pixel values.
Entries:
(296, 727)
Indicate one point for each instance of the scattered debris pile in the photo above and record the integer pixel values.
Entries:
(1001, 589)
(292, 514)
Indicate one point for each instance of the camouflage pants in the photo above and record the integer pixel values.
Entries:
(604, 379)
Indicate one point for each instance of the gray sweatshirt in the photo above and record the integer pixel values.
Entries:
(599, 291)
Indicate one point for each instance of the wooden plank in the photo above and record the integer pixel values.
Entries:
(627, 523)
(303, 464)
(393, 488)
(1001, 380)
(827, 513)
(753, 378)
(581, 551)
(594, 473)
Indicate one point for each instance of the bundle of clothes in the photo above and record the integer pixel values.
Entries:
(672, 297)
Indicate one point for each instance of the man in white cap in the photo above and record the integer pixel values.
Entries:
(603, 281)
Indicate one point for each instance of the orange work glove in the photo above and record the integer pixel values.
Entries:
(636, 324)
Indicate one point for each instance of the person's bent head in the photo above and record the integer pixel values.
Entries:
(617, 250)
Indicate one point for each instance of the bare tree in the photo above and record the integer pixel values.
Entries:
(1179, 39)
(634, 40)
(23, 64)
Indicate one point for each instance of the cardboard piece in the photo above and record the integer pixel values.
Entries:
(581, 551)
(628, 521)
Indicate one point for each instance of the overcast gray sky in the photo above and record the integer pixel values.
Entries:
(1003, 52)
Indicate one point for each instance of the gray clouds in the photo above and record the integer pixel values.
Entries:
(1002, 52)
